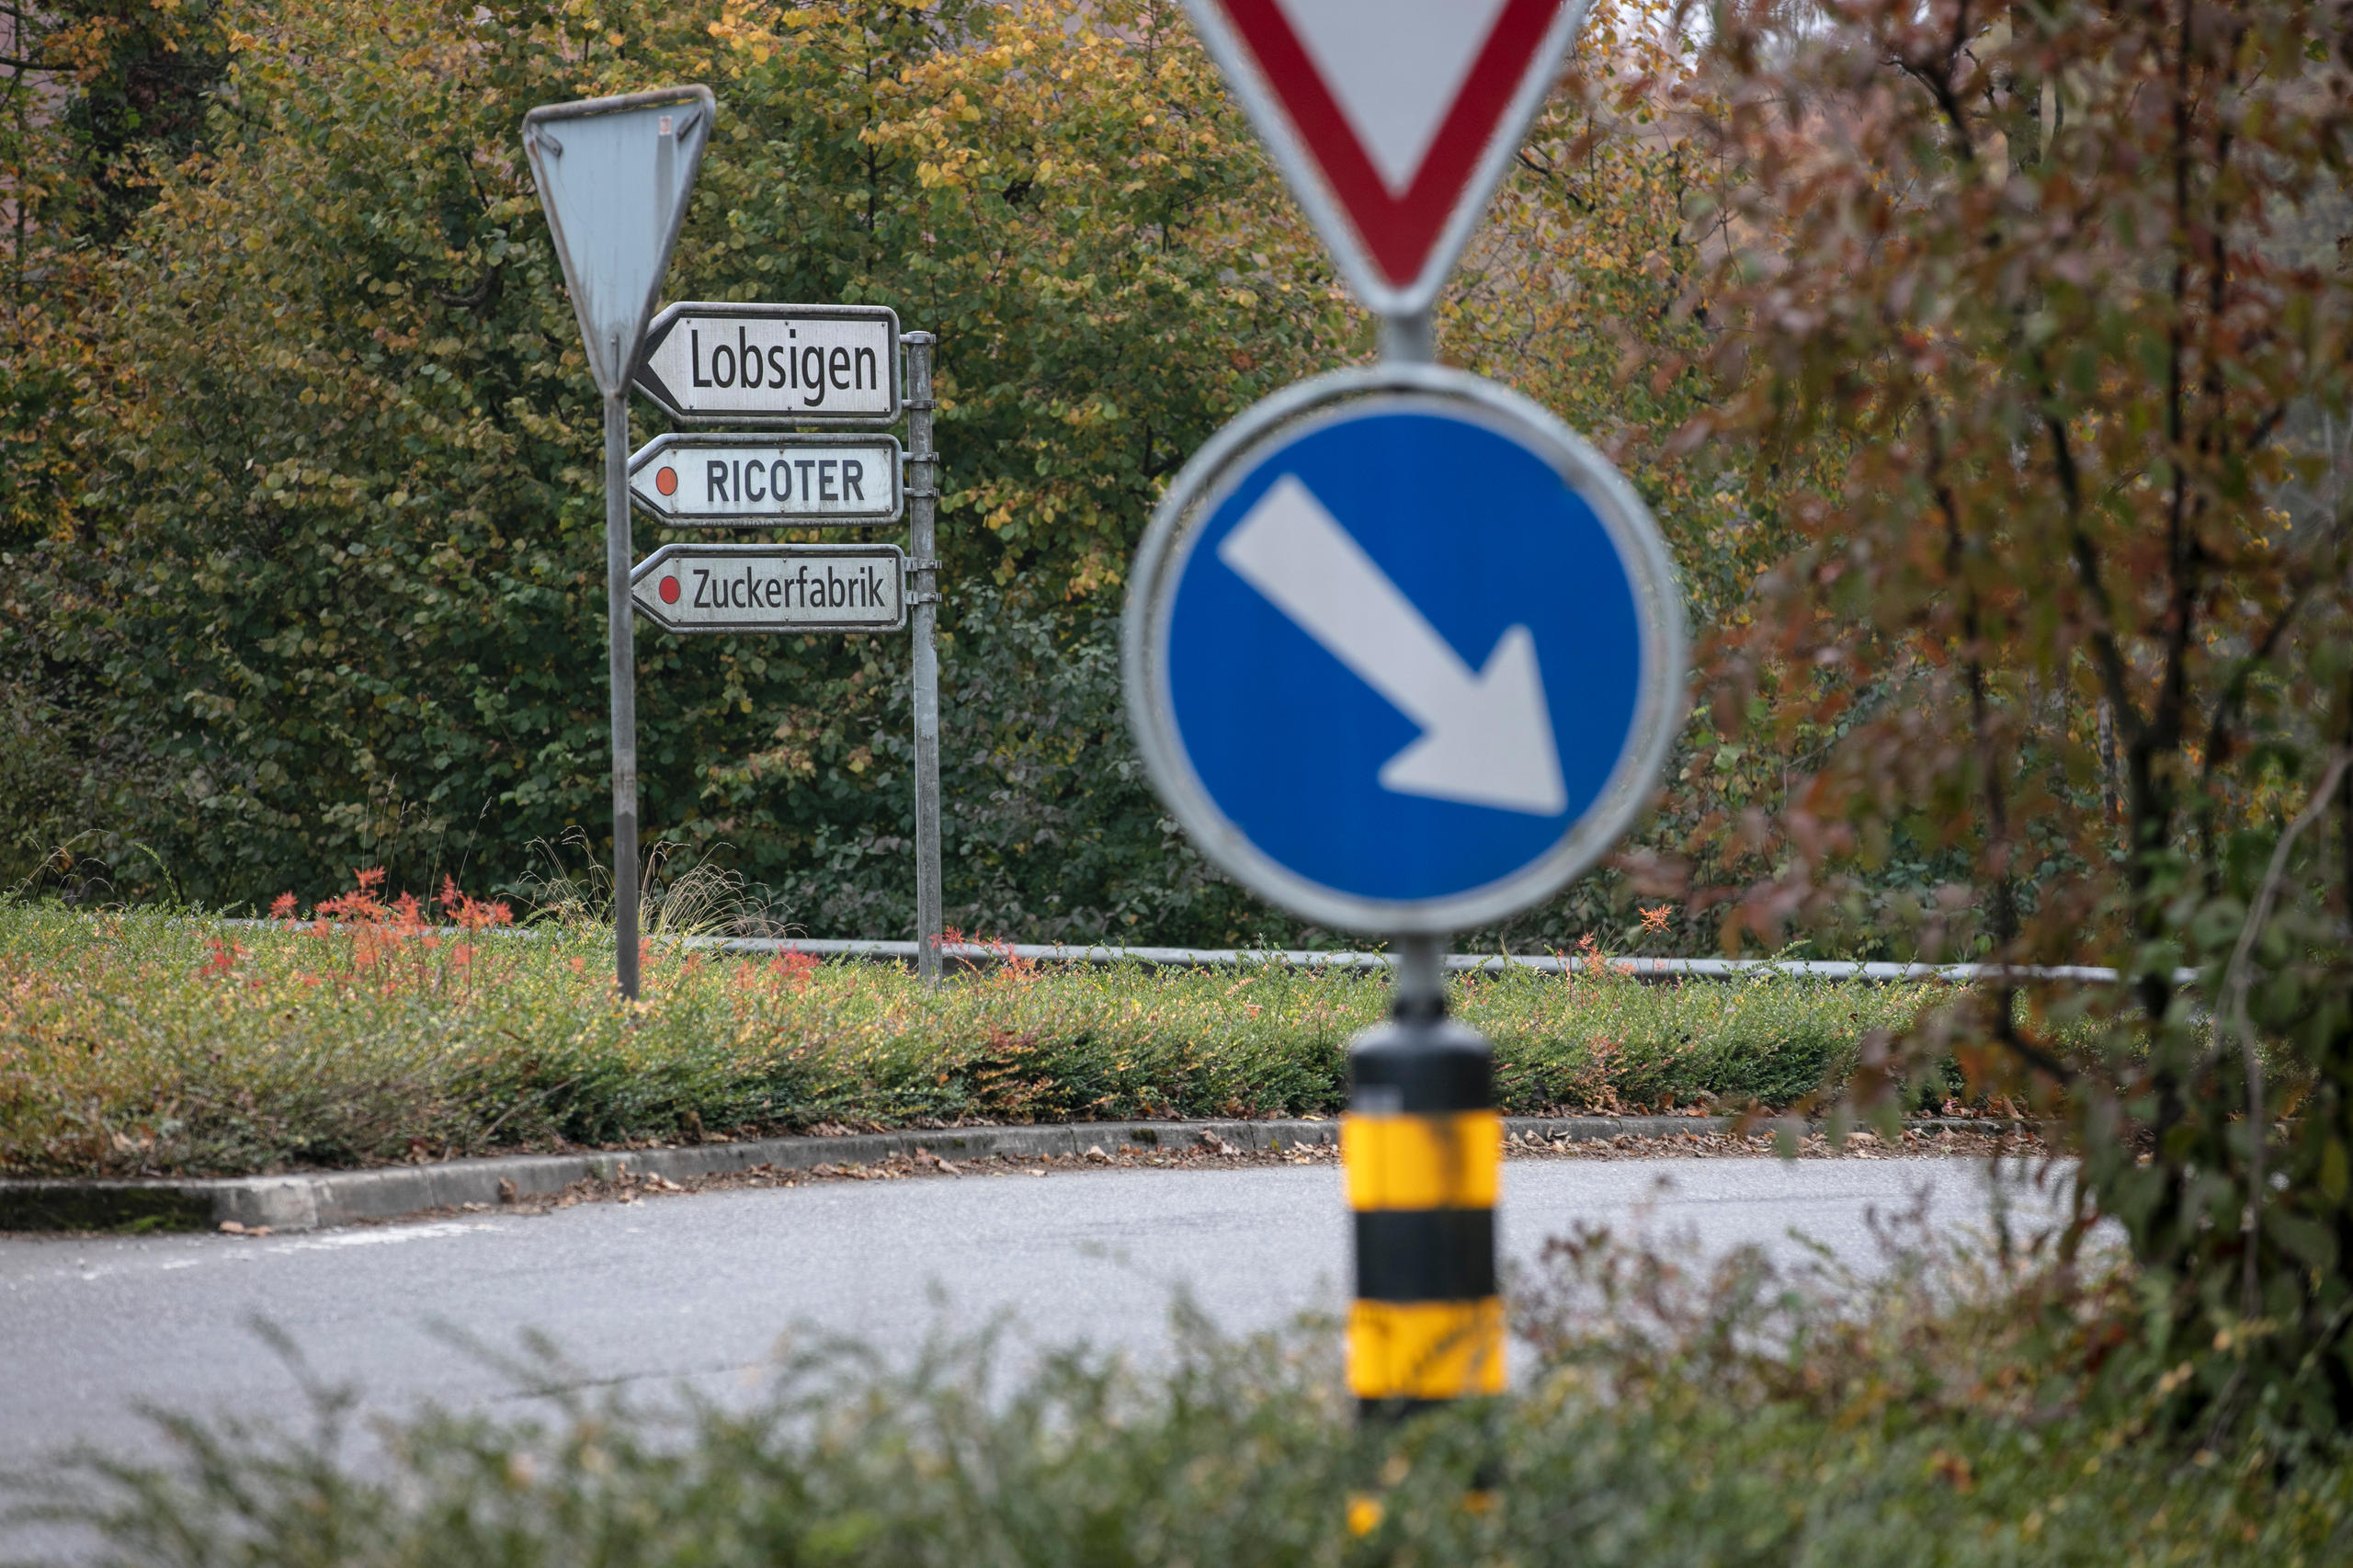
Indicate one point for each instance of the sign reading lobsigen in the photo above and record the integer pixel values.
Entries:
(695, 477)
(706, 361)
(764, 588)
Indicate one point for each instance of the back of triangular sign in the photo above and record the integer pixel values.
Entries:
(614, 175)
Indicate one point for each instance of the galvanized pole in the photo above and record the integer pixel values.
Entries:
(1418, 986)
(922, 505)
(620, 625)
(1420, 1150)
(1420, 977)
(1409, 340)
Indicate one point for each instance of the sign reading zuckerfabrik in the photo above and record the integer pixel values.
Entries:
(773, 364)
(773, 588)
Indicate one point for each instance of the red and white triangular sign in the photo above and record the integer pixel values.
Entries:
(1392, 118)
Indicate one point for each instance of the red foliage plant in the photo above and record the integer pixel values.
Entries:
(1012, 968)
(790, 970)
(394, 943)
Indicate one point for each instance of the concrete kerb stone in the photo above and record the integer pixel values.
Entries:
(312, 1200)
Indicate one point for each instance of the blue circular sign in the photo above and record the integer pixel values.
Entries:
(1404, 655)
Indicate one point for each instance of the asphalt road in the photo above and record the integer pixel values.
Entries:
(696, 1290)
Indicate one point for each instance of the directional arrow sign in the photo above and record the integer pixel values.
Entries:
(781, 587)
(1486, 736)
(614, 174)
(1393, 119)
(705, 477)
(1403, 654)
(773, 364)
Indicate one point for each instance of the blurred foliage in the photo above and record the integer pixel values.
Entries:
(2041, 320)
(141, 74)
(1953, 1411)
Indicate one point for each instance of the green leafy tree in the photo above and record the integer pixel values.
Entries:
(1580, 291)
(332, 574)
(308, 572)
(97, 95)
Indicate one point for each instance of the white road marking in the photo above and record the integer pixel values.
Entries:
(377, 1236)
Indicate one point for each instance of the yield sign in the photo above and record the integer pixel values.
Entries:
(1392, 118)
(614, 174)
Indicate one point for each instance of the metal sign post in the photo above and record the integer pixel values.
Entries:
(621, 653)
(1402, 653)
(614, 175)
(923, 502)
(762, 364)
(1418, 986)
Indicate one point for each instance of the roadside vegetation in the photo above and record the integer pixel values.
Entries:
(153, 1042)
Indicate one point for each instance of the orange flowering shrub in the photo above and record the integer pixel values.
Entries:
(390, 944)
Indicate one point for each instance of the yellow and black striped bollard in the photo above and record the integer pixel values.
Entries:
(1422, 1149)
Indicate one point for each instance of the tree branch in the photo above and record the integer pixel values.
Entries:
(1940, 85)
(2234, 695)
(1989, 764)
(2115, 677)
(2232, 1015)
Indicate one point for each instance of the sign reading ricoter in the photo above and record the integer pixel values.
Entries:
(710, 477)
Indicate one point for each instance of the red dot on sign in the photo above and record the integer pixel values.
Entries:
(666, 480)
(668, 587)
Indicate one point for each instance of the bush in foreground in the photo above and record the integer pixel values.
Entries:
(1937, 1417)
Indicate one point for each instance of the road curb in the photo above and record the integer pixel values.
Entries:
(312, 1200)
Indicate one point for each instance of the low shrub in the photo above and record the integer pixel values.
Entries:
(148, 1042)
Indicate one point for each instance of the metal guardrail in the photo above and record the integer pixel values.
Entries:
(978, 954)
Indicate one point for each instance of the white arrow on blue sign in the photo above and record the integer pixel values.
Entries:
(1404, 655)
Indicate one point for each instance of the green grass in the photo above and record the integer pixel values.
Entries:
(141, 1042)
(1937, 1419)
